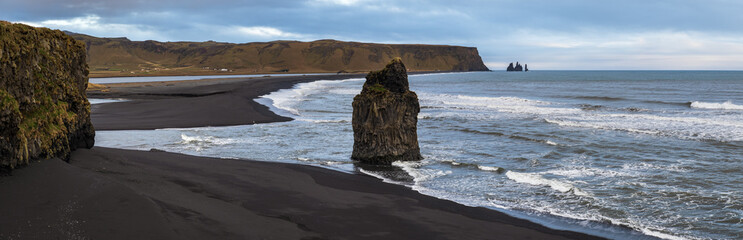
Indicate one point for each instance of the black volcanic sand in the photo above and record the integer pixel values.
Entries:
(197, 103)
(106, 193)
(109, 193)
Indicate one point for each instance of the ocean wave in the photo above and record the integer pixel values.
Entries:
(321, 162)
(490, 169)
(567, 123)
(380, 176)
(475, 166)
(539, 180)
(287, 99)
(105, 100)
(579, 172)
(685, 104)
(720, 128)
(601, 98)
(205, 140)
(324, 120)
(728, 105)
(501, 104)
(548, 142)
(419, 174)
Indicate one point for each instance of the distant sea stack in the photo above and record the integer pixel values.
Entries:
(122, 57)
(385, 118)
(44, 112)
(517, 68)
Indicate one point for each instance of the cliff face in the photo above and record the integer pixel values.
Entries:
(385, 118)
(119, 56)
(43, 108)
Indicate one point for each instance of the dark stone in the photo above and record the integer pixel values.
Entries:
(44, 112)
(517, 68)
(385, 118)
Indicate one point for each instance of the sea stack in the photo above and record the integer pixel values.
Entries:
(44, 111)
(517, 68)
(385, 118)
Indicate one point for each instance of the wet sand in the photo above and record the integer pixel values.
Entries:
(106, 193)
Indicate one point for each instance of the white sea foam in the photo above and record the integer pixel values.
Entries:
(537, 179)
(205, 140)
(105, 100)
(721, 128)
(324, 120)
(662, 235)
(452, 162)
(288, 99)
(376, 175)
(489, 169)
(577, 172)
(721, 106)
(419, 174)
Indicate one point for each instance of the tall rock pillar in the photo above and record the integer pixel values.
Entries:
(385, 118)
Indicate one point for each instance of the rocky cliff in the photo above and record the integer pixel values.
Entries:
(385, 118)
(120, 56)
(43, 108)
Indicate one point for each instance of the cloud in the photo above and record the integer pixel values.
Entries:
(92, 25)
(338, 2)
(264, 32)
(595, 34)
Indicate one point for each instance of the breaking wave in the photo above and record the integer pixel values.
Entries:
(539, 180)
(719, 106)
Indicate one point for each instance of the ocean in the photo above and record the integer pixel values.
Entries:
(619, 154)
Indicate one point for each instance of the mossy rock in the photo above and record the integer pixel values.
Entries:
(43, 108)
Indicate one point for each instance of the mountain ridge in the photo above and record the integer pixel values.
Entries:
(123, 57)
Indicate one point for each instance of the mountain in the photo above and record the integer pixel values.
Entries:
(122, 57)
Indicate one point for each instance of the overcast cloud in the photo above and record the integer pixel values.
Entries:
(547, 34)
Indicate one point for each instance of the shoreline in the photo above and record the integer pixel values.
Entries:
(193, 103)
(212, 73)
(123, 194)
(134, 174)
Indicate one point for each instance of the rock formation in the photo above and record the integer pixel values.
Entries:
(44, 112)
(517, 68)
(385, 118)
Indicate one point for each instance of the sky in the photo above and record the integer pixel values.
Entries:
(546, 34)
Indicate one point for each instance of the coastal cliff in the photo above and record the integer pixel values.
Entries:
(385, 118)
(122, 57)
(44, 112)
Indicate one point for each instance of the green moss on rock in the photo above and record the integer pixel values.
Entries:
(44, 112)
(385, 118)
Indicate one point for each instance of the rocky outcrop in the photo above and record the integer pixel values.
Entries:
(44, 112)
(517, 68)
(385, 118)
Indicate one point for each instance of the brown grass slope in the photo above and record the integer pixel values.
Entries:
(120, 56)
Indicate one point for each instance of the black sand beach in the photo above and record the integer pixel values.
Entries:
(108, 193)
(197, 103)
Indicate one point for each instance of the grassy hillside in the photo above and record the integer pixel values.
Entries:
(122, 57)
